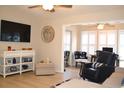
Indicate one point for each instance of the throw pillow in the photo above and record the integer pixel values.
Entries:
(96, 65)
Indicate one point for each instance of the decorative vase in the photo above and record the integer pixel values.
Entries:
(14, 61)
(9, 48)
(47, 60)
(13, 68)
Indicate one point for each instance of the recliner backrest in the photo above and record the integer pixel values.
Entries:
(106, 58)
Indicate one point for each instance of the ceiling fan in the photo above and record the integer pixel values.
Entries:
(102, 25)
(50, 8)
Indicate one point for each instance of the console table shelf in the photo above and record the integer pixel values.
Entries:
(13, 62)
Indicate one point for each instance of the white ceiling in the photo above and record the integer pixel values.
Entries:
(76, 9)
(82, 11)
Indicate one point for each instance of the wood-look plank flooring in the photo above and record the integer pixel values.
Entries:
(30, 80)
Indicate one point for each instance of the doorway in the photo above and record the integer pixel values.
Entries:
(113, 36)
(67, 48)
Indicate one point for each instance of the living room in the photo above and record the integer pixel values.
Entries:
(61, 18)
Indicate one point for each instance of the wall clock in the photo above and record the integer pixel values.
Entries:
(47, 33)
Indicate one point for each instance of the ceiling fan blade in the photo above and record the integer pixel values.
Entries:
(64, 6)
(53, 10)
(35, 6)
(110, 25)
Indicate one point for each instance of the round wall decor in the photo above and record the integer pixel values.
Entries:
(47, 33)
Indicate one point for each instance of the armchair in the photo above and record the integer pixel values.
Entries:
(78, 55)
(101, 69)
(66, 58)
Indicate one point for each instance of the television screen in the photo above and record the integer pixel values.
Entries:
(14, 32)
(109, 49)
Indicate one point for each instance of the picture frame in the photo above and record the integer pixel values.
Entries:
(9, 61)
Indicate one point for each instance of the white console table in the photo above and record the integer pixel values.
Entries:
(12, 62)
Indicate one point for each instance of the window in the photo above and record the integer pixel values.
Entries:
(67, 41)
(107, 38)
(84, 41)
(121, 47)
(88, 41)
(121, 44)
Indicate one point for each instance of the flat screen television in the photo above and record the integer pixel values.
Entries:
(109, 49)
(14, 32)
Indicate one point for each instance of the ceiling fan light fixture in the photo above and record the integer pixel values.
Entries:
(100, 26)
(48, 7)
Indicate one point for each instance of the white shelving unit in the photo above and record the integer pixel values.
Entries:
(13, 62)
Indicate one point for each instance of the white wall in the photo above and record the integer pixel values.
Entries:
(11, 13)
(54, 49)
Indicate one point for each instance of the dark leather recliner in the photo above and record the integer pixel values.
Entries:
(100, 73)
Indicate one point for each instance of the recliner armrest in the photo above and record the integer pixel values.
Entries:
(105, 66)
(88, 65)
(106, 69)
